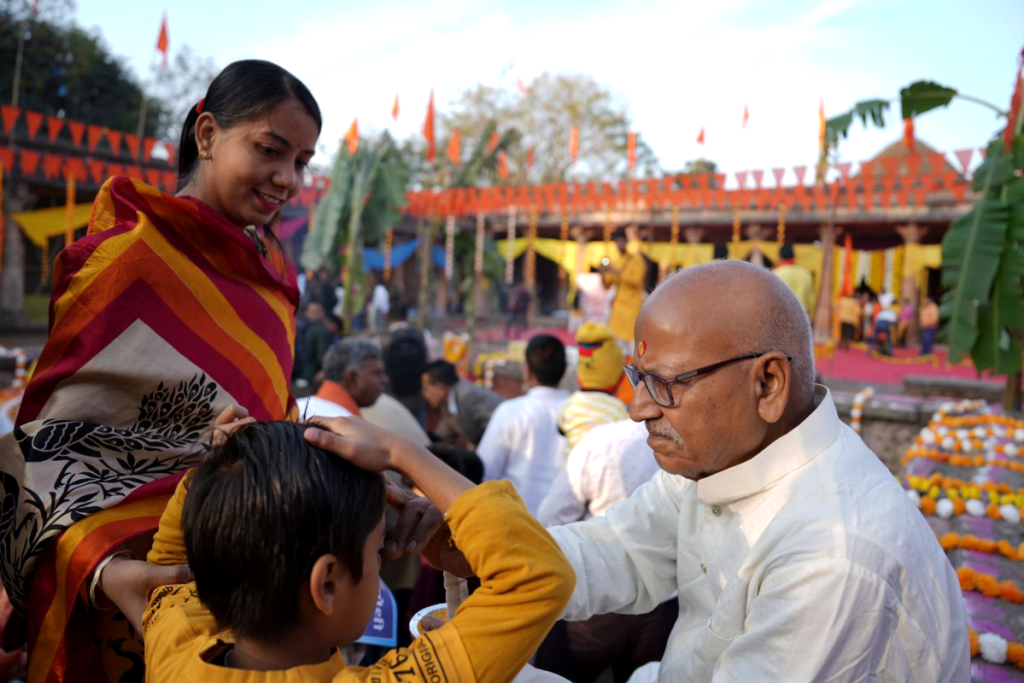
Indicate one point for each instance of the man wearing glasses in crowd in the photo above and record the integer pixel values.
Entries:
(795, 555)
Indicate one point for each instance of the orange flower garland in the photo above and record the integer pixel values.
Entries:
(988, 585)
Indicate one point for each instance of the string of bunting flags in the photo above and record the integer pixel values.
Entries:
(877, 186)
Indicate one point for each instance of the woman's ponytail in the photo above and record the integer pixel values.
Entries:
(188, 151)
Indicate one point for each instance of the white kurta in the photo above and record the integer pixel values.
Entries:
(806, 563)
(607, 465)
(522, 443)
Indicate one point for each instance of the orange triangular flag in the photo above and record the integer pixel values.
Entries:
(352, 137)
(428, 129)
(493, 143)
(162, 42)
(631, 150)
(821, 123)
(529, 157)
(454, 154)
(700, 136)
(394, 108)
(746, 115)
(574, 143)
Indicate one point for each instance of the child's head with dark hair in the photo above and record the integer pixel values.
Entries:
(245, 146)
(545, 359)
(280, 535)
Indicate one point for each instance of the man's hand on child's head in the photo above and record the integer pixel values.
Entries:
(417, 523)
(230, 419)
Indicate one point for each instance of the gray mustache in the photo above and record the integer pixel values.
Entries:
(659, 428)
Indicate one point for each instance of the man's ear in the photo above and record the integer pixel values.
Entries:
(774, 376)
(351, 377)
(325, 584)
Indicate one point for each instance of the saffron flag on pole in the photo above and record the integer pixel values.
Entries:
(574, 143)
(162, 42)
(908, 135)
(821, 123)
(700, 136)
(352, 137)
(454, 153)
(493, 143)
(746, 116)
(394, 108)
(631, 150)
(428, 129)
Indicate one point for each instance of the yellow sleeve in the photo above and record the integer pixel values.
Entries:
(525, 583)
(169, 541)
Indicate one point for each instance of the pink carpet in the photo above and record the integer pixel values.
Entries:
(857, 365)
(850, 364)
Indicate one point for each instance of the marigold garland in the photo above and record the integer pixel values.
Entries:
(988, 585)
(857, 409)
(996, 649)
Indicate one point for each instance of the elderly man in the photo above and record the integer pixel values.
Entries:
(794, 553)
(354, 378)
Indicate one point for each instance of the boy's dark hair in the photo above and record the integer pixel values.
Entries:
(786, 251)
(259, 512)
(443, 372)
(243, 91)
(545, 356)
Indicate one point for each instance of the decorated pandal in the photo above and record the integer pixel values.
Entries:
(965, 471)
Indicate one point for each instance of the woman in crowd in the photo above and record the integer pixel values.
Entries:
(171, 309)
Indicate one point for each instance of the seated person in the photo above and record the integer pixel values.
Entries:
(284, 540)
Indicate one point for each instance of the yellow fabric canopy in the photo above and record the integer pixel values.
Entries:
(42, 224)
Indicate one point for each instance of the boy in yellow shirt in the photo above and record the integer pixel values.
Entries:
(284, 540)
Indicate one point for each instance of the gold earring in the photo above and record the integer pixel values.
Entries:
(204, 154)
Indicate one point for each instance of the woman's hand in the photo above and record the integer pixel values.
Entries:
(129, 583)
(230, 419)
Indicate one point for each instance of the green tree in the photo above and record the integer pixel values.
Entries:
(543, 115)
(66, 71)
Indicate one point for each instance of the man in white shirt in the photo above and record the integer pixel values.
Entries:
(607, 465)
(380, 305)
(521, 442)
(795, 554)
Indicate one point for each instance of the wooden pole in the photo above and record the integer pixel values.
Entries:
(69, 211)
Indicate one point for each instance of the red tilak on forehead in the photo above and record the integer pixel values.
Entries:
(641, 348)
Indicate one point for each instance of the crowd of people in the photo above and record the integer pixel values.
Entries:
(682, 502)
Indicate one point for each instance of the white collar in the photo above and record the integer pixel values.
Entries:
(786, 454)
(453, 405)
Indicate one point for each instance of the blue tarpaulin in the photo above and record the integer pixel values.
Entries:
(373, 259)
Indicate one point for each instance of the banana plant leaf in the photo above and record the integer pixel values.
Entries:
(320, 247)
(838, 127)
(998, 348)
(971, 254)
(923, 96)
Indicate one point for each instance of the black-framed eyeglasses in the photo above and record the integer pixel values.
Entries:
(660, 387)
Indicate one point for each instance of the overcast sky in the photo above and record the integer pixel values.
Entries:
(676, 65)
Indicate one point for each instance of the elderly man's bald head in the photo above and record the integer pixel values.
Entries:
(700, 317)
(744, 308)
